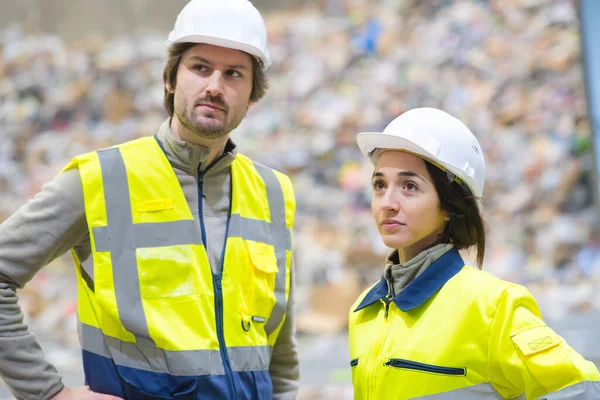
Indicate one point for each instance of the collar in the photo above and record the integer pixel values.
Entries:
(399, 275)
(190, 157)
(420, 289)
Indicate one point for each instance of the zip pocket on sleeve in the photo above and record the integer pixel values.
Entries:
(416, 366)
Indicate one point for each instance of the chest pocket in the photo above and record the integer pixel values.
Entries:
(258, 297)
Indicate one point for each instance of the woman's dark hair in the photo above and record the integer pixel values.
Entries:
(465, 228)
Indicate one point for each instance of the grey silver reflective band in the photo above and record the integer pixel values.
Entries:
(282, 241)
(181, 363)
(483, 391)
(118, 237)
(587, 390)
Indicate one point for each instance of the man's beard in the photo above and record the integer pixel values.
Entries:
(206, 130)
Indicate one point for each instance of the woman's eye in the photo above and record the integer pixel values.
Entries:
(410, 186)
(378, 185)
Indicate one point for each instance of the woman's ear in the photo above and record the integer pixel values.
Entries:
(169, 88)
(446, 216)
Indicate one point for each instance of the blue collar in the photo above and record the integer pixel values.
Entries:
(420, 289)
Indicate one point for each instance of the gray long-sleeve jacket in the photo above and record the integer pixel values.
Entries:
(54, 221)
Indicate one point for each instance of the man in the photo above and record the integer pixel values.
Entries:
(182, 246)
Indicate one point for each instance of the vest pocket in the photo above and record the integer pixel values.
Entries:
(259, 292)
(416, 366)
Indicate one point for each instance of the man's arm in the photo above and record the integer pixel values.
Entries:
(46, 227)
(284, 368)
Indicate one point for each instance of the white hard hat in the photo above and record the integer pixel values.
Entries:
(235, 24)
(433, 135)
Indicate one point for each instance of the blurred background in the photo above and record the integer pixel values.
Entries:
(524, 75)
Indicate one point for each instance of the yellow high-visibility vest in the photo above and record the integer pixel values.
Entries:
(153, 318)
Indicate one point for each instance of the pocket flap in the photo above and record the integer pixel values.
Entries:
(262, 256)
(534, 340)
(155, 205)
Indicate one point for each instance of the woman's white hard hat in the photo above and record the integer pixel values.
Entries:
(435, 136)
(235, 24)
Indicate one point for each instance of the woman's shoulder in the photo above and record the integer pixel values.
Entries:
(484, 285)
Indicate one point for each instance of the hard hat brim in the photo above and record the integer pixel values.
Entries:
(368, 142)
(230, 44)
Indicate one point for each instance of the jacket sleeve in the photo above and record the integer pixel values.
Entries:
(44, 228)
(527, 357)
(284, 368)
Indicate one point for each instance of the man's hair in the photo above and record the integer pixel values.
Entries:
(260, 82)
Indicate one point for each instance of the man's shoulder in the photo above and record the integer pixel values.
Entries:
(241, 158)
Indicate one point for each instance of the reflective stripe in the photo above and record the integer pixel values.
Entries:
(256, 230)
(87, 271)
(181, 363)
(250, 358)
(482, 391)
(153, 234)
(119, 240)
(586, 390)
(282, 242)
(249, 229)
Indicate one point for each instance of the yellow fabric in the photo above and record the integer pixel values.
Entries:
(256, 261)
(155, 205)
(475, 321)
(179, 306)
(525, 356)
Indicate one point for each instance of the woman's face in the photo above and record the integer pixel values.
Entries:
(405, 204)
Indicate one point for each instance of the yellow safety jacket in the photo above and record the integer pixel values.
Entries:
(154, 321)
(457, 333)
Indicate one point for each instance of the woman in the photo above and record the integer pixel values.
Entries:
(433, 328)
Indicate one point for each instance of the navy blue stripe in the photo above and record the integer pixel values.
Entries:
(132, 384)
(101, 374)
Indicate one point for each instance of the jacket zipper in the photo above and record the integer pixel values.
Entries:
(217, 280)
(416, 366)
(354, 363)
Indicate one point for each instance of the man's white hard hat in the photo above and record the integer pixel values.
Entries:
(235, 24)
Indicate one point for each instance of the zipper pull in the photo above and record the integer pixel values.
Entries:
(387, 302)
(201, 183)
